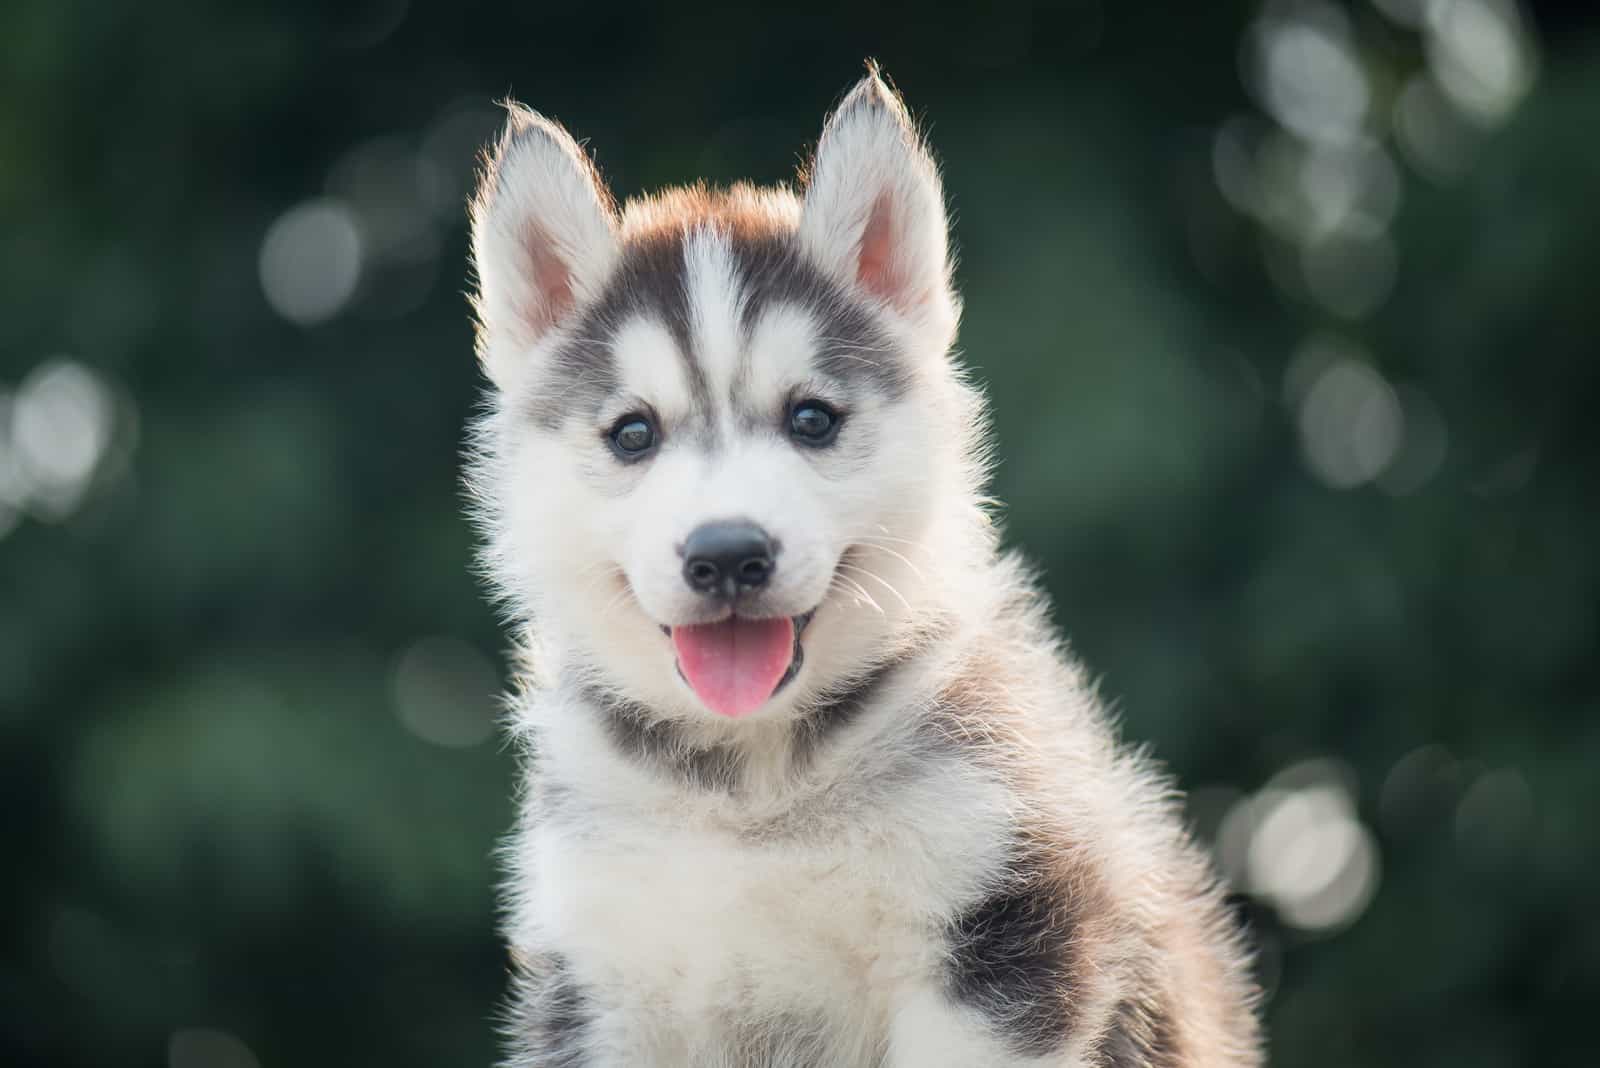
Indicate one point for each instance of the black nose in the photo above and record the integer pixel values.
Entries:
(727, 556)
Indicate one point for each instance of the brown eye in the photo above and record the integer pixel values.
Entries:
(813, 423)
(632, 437)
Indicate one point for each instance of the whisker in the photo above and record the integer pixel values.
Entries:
(884, 535)
(837, 355)
(915, 570)
(616, 600)
(892, 538)
(578, 381)
(859, 590)
(855, 346)
(881, 581)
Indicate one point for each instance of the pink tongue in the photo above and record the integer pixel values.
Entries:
(735, 665)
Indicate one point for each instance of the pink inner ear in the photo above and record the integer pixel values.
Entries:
(875, 266)
(550, 280)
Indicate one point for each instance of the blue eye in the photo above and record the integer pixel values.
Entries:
(813, 423)
(632, 436)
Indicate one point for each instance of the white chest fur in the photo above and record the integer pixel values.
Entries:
(705, 914)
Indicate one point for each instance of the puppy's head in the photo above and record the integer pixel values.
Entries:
(725, 422)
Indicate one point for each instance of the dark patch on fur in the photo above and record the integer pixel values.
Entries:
(552, 1016)
(581, 375)
(836, 713)
(658, 743)
(1012, 957)
(1141, 1036)
(819, 725)
(853, 347)
(651, 281)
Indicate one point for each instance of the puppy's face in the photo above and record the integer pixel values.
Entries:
(717, 435)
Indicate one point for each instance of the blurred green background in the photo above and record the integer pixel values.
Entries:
(1289, 312)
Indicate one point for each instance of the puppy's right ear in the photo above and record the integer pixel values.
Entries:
(543, 239)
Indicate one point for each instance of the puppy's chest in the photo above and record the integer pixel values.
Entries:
(701, 915)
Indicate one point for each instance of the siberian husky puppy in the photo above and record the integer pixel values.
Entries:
(810, 780)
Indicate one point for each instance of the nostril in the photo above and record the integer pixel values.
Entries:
(703, 573)
(754, 571)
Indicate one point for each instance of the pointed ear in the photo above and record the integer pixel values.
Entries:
(543, 238)
(874, 207)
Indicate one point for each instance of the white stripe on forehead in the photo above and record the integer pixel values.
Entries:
(782, 344)
(649, 366)
(716, 304)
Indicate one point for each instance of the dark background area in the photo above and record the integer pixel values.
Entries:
(1289, 314)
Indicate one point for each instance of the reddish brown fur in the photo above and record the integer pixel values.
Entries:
(745, 212)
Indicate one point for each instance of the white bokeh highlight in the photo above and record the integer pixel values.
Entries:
(1309, 77)
(1481, 56)
(1299, 845)
(310, 261)
(56, 434)
(444, 692)
(1350, 421)
(206, 1047)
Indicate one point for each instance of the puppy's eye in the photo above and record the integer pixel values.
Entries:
(632, 437)
(813, 423)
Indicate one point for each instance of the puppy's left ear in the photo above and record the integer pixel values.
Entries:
(543, 239)
(874, 211)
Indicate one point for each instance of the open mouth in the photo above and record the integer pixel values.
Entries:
(737, 664)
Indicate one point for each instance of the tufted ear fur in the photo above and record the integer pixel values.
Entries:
(874, 207)
(543, 238)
